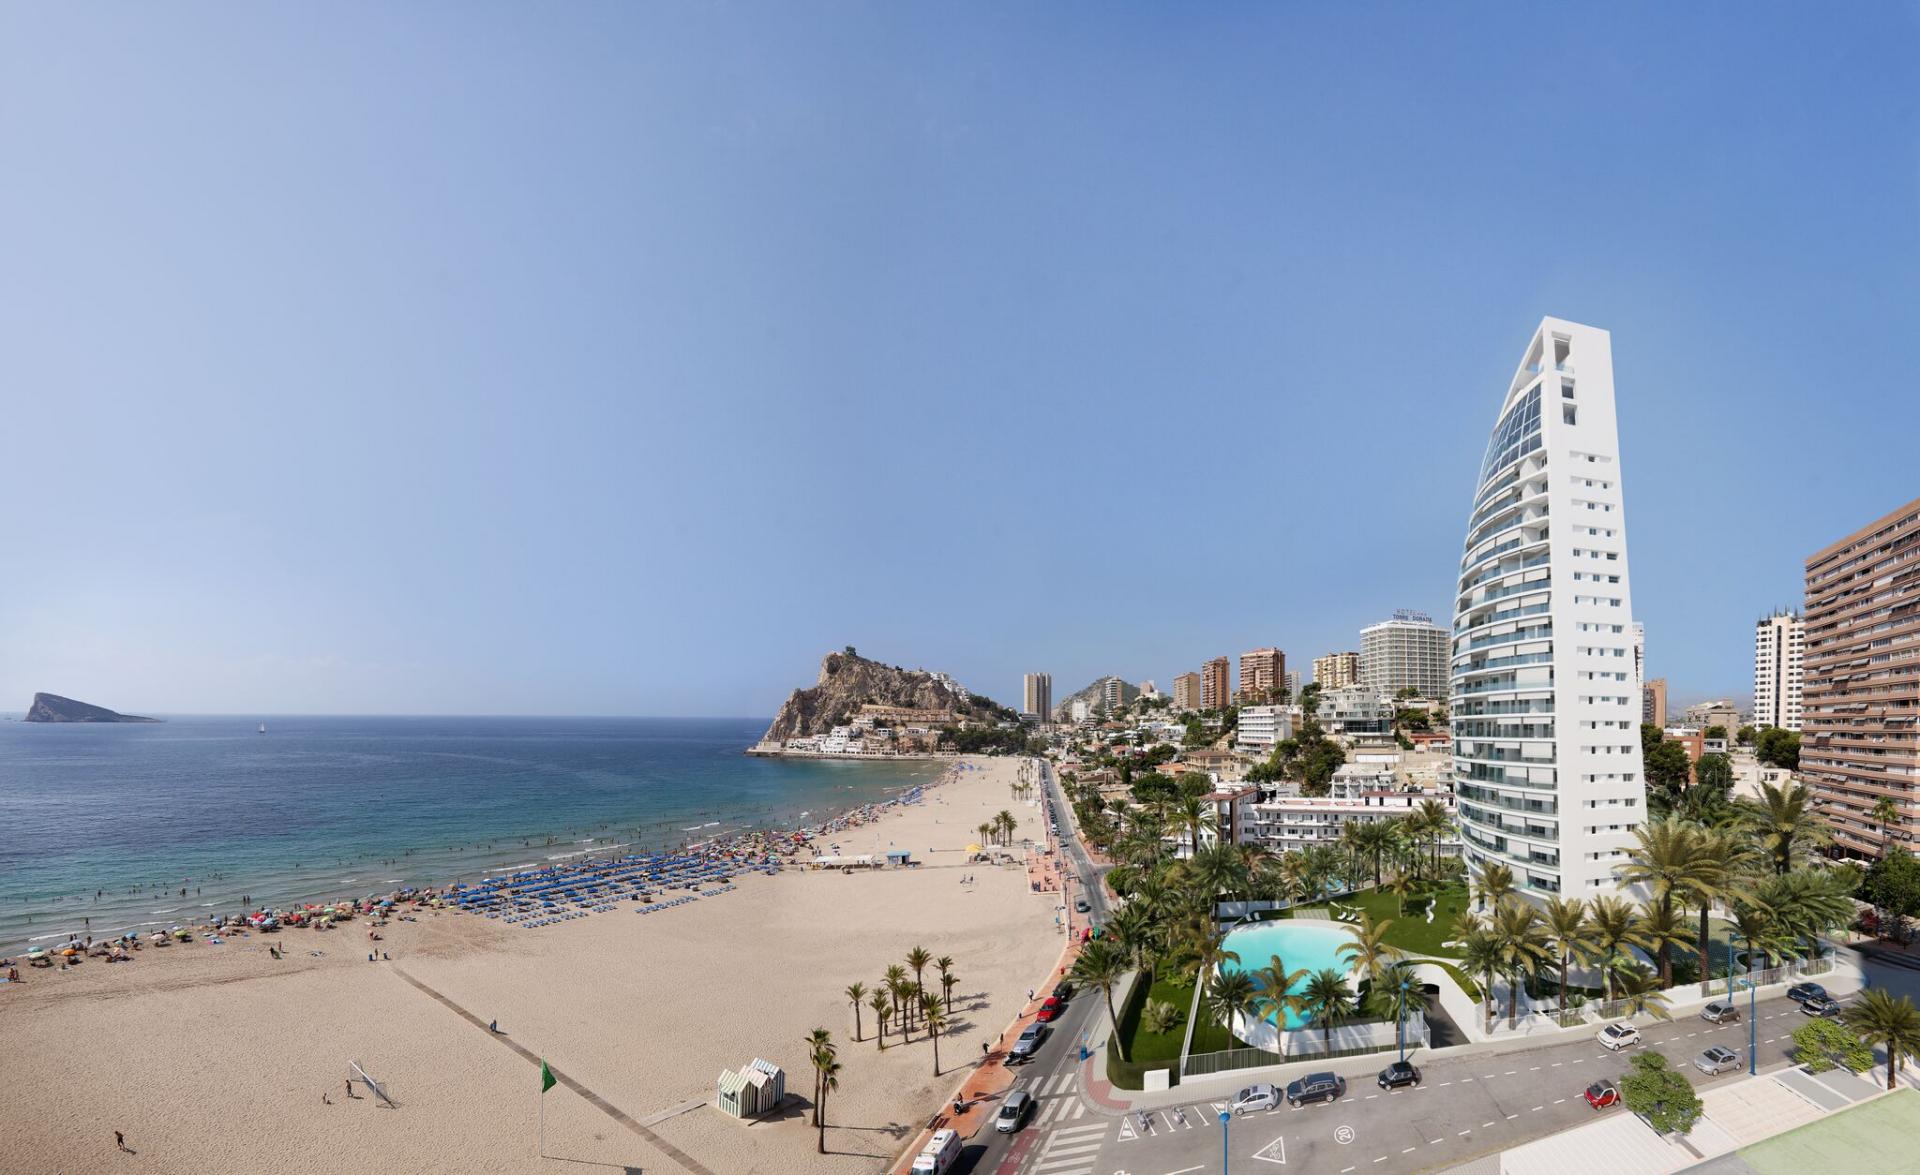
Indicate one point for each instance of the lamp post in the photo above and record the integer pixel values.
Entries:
(1225, 1118)
(1753, 1027)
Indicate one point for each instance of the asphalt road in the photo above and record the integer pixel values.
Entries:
(1464, 1107)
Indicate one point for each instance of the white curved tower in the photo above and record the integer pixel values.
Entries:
(1546, 708)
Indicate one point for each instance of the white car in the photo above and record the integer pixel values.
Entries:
(1615, 1037)
(1255, 1097)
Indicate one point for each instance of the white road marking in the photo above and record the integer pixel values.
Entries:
(1535, 1069)
(1183, 1171)
(1511, 1117)
(1408, 1151)
(1444, 1084)
(1381, 1159)
(1484, 1125)
(1536, 1109)
(1556, 1064)
(1469, 1130)
(1435, 1141)
(1558, 1100)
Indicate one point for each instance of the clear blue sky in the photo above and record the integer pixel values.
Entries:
(624, 358)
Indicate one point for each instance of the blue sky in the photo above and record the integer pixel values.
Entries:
(624, 358)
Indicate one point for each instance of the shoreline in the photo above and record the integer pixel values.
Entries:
(639, 1016)
(41, 920)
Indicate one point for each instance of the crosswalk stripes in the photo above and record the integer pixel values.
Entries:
(1070, 1150)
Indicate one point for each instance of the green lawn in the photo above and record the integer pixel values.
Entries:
(1208, 1036)
(1871, 1139)
(1411, 931)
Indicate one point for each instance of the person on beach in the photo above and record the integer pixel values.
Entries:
(119, 1140)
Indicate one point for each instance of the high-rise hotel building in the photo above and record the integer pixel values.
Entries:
(1777, 671)
(1546, 707)
(1860, 733)
(1037, 696)
(1406, 652)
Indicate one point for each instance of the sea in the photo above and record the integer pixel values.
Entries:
(111, 828)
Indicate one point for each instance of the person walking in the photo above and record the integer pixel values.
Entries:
(119, 1140)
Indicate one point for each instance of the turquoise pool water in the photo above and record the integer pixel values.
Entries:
(1305, 946)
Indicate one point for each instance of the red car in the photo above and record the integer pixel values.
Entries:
(1049, 1010)
(1602, 1094)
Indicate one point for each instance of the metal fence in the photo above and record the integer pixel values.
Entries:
(1227, 1060)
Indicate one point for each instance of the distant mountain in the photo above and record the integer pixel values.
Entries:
(849, 681)
(54, 708)
(1063, 710)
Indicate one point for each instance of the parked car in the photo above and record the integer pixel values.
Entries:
(1720, 1012)
(1602, 1094)
(1049, 1009)
(1013, 1111)
(1024, 1048)
(1080, 904)
(1398, 1074)
(1315, 1087)
(1063, 990)
(1615, 1037)
(1255, 1097)
(1820, 1005)
(1717, 1060)
(1800, 993)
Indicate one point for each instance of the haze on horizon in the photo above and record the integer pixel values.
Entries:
(625, 359)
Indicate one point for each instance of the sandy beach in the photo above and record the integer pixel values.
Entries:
(217, 1058)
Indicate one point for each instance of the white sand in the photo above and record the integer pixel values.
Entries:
(214, 1058)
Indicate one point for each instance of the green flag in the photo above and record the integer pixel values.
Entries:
(546, 1078)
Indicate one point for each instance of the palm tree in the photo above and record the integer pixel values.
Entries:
(1729, 855)
(882, 1006)
(1276, 985)
(1672, 859)
(1101, 965)
(1131, 929)
(1573, 938)
(1755, 924)
(1480, 955)
(1640, 988)
(1007, 824)
(933, 1018)
(986, 833)
(1884, 814)
(944, 964)
(1204, 950)
(1369, 953)
(1894, 1024)
(1808, 903)
(819, 1043)
(1399, 993)
(855, 993)
(1662, 929)
(896, 982)
(1318, 864)
(1434, 822)
(918, 958)
(826, 1079)
(1617, 926)
(1402, 886)
(1521, 940)
(1326, 1001)
(1232, 992)
(1495, 882)
(1784, 820)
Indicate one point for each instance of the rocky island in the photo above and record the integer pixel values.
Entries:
(860, 708)
(54, 708)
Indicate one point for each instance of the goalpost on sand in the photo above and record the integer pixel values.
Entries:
(378, 1089)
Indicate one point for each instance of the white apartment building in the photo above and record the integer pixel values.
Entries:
(1776, 671)
(1355, 709)
(1409, 651)
(1288, 824)
(1546, 742)
(1263, 726)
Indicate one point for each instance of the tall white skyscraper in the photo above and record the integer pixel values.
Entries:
(1545, 706)
(1639, 654)
(1776, 671)
(1406, 652)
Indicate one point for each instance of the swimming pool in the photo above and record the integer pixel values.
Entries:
(1303, 945)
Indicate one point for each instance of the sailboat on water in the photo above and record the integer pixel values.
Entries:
(263, 728)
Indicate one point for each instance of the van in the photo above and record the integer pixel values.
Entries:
(940, 1154)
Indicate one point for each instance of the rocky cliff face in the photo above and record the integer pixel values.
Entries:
(54, 708)
(848, 681)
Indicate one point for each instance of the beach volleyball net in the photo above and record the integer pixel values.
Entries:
(382, 1091)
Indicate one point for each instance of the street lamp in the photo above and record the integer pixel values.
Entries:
(1753, 1027)
(1225, 1118)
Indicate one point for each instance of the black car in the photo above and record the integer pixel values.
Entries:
(1315, 1087)
(1820, 1005)
(1063, 990)
(1398, 1074)
(1800, 993)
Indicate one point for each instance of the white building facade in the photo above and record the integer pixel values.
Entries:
(1261, 727)
(1546, 742)
(1409, 651)
(1776, 671)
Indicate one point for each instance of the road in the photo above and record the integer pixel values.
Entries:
(1464, 1107)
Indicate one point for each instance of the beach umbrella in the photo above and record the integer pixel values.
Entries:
(36, 953)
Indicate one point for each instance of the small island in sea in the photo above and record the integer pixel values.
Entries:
(54, 708)
(864, 709)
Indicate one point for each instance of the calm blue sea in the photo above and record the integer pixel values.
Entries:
(342, 807)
